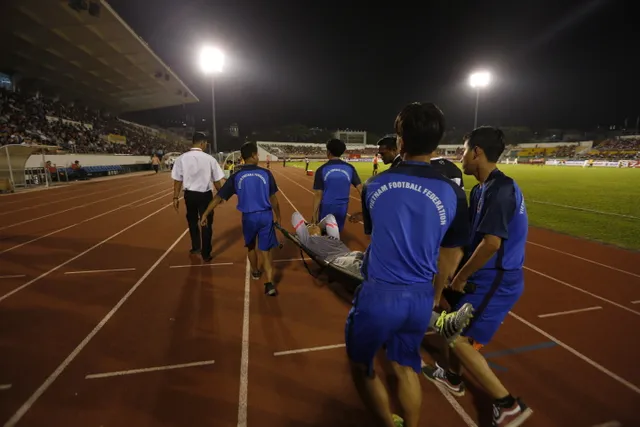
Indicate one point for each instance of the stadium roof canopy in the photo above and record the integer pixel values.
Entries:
(99, 59)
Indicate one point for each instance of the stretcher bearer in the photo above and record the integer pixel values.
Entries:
(494, 264)
(256, 190)
(194, 171)
(410, 212)
(332, 185)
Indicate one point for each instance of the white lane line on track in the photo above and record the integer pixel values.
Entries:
(609, 424)
(291, 259)
(145, 370)
(637, 313)
(579, 355)
(87, 220)
(102, 242)
(243, 394)
(452, 401)
(217, 264)
(584, 259)
(308, 350)
(562, 313)
(70, 358)
(5, 387)
(73, 208)
(636, 301)
(13, 276)
(109, 270)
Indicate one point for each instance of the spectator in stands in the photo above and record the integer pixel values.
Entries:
(332, 185)
(78, 172)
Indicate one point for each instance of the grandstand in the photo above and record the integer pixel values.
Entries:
(68, 72)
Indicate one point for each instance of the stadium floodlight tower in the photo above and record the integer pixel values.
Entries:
(212, 62)
(479, 80)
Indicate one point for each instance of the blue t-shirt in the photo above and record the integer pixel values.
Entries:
(335, 179)
(498, 208)
(253, 185)
(411, 211)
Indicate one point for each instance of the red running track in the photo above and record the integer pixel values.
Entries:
(106, 320)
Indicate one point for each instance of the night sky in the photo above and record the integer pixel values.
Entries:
(556, 63)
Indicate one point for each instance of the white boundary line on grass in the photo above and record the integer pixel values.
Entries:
(71, 357)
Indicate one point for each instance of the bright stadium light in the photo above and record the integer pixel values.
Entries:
(479, 80)
(212, 62)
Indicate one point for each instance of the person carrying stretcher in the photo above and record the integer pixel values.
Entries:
(323, 241)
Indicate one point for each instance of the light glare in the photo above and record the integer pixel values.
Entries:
(480, 79)
(211, 60)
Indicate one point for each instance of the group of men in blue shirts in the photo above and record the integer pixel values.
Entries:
(423, 234)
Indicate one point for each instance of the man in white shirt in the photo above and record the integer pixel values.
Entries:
(194, 171)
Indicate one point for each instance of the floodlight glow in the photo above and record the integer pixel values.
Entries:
(480, 79)
(211, 60)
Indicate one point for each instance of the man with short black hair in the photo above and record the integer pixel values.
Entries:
(418, 223)
(193, 171)
(495, 266)
(388, 151)
(332, 185)
(257, 200)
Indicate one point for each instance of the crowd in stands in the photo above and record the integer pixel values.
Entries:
(36, 120)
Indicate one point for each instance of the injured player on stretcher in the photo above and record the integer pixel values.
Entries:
(323, 241)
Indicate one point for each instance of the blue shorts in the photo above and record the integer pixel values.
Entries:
(495, 295)
(339, 211)
(393, 315)
(259, 225)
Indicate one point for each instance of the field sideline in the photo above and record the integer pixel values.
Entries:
(601, 204)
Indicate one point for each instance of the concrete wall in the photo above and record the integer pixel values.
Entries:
(65, 160)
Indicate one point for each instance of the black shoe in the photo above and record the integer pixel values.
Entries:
(194, 251)
(270, 289)
(255, 275)
(207, 258)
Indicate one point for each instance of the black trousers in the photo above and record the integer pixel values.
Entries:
(196, 203)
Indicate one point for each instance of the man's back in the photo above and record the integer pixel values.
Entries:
(448, 169)
(197, 170)
(335, 179)
(410, 211)
(254, 186)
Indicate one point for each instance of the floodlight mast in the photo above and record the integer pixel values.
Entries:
(211, 63)
(479, 80)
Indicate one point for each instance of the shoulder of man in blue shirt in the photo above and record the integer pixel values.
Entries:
(230, 186)
(458, 234)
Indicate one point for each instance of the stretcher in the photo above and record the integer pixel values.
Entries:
(347, 277)
(333, 271)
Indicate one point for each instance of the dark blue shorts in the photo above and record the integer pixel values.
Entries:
(339, 211)
(495, 295)
(393, 315)
(259, 225)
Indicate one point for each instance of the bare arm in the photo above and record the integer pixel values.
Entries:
(317, 198)
(275, 206)
(177, 187)
(359, 188)
(483, 253)
(214, 203)
(218, 184)
(448, 261)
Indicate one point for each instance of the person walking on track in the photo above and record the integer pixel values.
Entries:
(194, 171)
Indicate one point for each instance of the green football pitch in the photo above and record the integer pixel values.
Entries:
(601, 204)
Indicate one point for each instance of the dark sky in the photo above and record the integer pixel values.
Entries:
(557, 63)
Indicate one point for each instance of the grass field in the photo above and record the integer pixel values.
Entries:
(601, 204)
